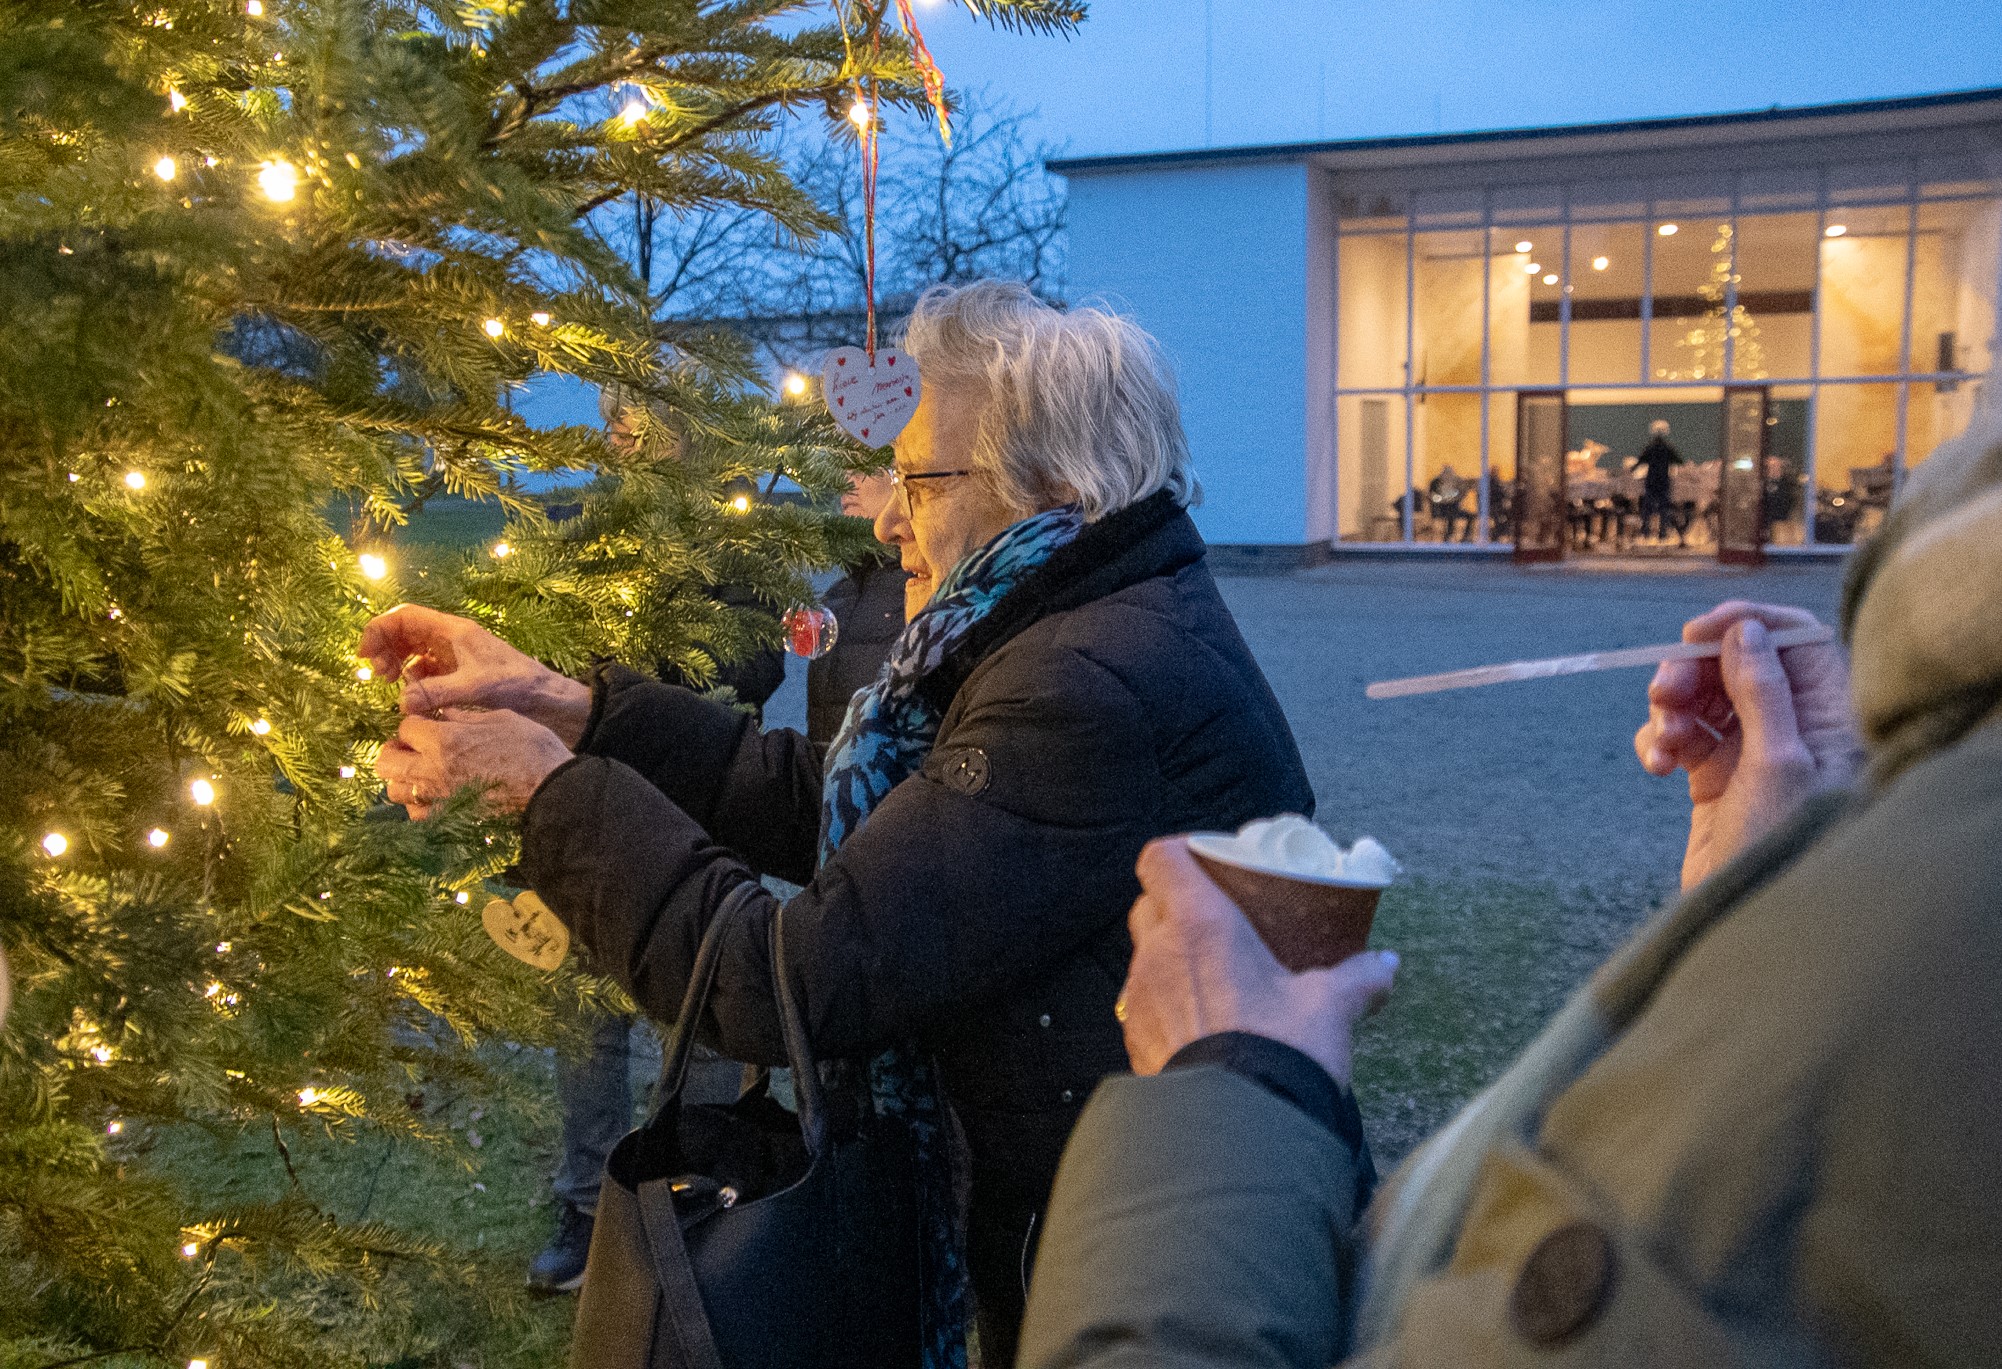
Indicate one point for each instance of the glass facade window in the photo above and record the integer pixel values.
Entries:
(1852, 306)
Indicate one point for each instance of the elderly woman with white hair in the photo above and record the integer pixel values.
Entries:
(1068, 686)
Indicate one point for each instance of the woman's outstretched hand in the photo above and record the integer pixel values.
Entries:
(1758, 731)
(1199, 968)
(448, 662)
(502, 754)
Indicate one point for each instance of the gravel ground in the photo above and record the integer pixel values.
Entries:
(1515, 781)
(1532, 840)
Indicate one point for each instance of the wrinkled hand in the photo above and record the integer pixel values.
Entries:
(458, 663)
(1759, 732)
(1200, 968)
(502, 754)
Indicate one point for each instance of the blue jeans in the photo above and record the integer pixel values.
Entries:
(597, 1097)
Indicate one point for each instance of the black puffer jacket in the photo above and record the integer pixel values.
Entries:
(981, 909)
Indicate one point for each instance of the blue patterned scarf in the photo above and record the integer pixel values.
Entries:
(884, 740)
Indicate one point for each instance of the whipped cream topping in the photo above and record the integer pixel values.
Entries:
(1291, 845)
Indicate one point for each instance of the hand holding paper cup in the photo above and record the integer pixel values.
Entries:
(1311, 901)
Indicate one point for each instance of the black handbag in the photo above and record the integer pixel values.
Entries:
(743, 1236)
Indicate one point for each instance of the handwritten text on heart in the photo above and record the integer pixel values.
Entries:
(871, 401)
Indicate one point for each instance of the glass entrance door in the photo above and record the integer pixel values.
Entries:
(1741, 490)
(1541, 526)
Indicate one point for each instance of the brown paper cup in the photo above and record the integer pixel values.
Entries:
(1306, 926)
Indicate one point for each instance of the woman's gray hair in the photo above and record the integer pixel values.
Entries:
(1080, 403)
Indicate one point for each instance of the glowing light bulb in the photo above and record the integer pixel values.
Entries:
(202, 1363)
(1550, 278)
(222, 948)
(540, 318)
(212, 990)
(101, 1054)
(165, 168)
(373, 566)
(308, 1097)
(279, 180)
(158, 838)
(1525, 246)
(262, 727)
(501, 551)
(741, 503)
(860, 115)
(176, 101)
(1601, 263)
(55, 843)
(74, 477)
(202, 792)
(114, 613)
(255, 9)
(364, 673)
(1835, 230)
(189, 1250)
(114, 1127)
(347, 772)
(633, 113)
(1668, 230)
(135, 480)
(462, 898)
(494, 327)
(795, 384)
(1532, 268)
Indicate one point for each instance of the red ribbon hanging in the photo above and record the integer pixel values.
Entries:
(934, 79)
(869, 126)
(871, 157)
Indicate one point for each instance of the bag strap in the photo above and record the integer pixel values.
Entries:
(680, 1044)
(806, 1090)
(674, 1277)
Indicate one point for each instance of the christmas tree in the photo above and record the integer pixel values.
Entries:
(272, 271)
(1703, 344)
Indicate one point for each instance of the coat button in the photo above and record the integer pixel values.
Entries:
(1068, 1095)
(1564, 1285)
(1044, 1019)
(968, 771)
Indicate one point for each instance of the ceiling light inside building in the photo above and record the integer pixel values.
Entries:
(1667, 230)
(1836, 230)
(1532, 268)
(1601, 263)
(1525, 245)
(1550, 278)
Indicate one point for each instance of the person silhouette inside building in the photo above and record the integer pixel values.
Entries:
(1657, 460)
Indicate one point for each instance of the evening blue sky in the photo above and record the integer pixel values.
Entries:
(1295, 70)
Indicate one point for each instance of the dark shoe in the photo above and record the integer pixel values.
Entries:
(560, 1266)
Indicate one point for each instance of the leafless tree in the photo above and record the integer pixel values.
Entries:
(983, 207)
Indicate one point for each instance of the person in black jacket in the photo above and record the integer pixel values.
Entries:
(868, 608)
(1070, 685)
(1658, 460)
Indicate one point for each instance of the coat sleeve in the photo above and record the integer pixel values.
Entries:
(1014, 845)
(755, 792)
(1199, 1221)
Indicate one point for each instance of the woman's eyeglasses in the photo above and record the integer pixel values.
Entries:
(909, 492)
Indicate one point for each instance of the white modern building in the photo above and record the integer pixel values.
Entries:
(1375, 338)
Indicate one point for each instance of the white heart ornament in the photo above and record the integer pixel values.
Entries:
(872, 401)
(527, 930)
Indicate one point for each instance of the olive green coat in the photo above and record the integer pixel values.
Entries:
(1767, 1133)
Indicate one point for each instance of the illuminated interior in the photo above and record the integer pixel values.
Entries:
(1862, 299)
